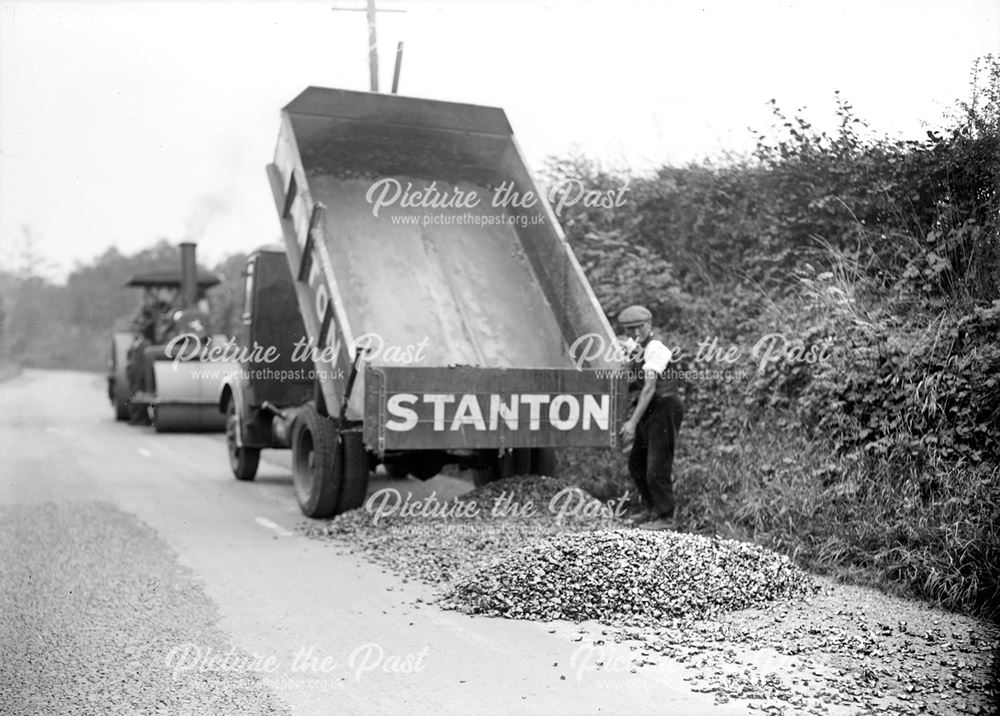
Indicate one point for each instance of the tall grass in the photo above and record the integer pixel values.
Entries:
(929, 533)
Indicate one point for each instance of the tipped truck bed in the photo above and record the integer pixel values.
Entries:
(494, 293)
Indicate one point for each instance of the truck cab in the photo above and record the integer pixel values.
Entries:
(261, 398)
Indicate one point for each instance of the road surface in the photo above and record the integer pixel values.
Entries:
(140, 577)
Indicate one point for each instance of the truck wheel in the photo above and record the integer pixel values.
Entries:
(316, 474)
(543, 462)
(242, 460)
(354, 462)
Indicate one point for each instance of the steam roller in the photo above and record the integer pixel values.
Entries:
(159, 373)
(186, 399)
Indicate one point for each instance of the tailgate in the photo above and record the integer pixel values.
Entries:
(414, 408)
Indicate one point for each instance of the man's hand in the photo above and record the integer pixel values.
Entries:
(627, 432)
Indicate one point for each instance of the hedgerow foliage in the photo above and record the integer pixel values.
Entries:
(880, 256)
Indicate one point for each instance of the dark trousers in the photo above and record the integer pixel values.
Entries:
(651, 461)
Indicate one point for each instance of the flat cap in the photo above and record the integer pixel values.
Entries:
(634, 314)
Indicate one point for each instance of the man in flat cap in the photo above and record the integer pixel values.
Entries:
(656, 415)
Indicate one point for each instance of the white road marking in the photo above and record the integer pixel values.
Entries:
(144, 452)
(264, 522)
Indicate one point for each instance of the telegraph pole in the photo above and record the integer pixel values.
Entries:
(399, 64)
(370, 11)
(372, 47)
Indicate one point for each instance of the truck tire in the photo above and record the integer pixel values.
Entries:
(354, 460)
(317, 472)
(242, 460)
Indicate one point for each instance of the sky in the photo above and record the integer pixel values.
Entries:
(125, 122)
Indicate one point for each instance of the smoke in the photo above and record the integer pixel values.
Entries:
(207, 208)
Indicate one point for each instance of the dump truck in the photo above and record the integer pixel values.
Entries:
(156, 371)
(422, 308)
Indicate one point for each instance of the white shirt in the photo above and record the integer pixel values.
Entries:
(656, 356)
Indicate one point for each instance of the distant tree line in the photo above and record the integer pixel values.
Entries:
(49, 325)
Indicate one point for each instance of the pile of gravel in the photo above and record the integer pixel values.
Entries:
(627, 575)
(581, 564)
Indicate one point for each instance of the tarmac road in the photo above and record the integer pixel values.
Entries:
(139, 577)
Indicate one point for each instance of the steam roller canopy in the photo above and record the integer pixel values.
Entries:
(171, 277)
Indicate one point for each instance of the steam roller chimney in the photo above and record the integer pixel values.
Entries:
(189, 274)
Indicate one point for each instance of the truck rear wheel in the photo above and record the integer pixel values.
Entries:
(354, 462)
(317, 469)
(242, 460)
